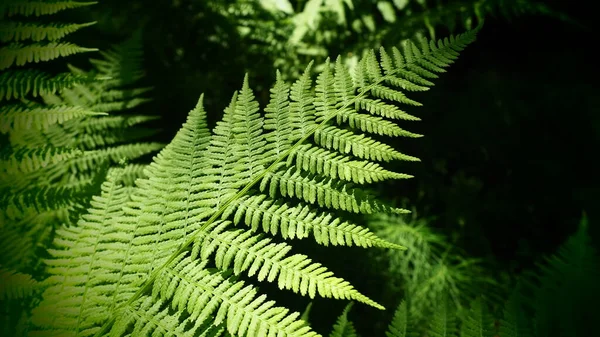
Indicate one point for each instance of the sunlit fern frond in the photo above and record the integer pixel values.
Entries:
(153, 246)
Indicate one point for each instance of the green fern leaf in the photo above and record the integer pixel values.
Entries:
(478, 322)
(37, 8)
(400, 326)
(44, 198)
(19, 31)
(17, 117)
(306, 313)
(344, 327)
(14, 285)
(26, 160)
(514, 322)
(443, 322)
(19, 54)
(20, 83)
(149, 316)
(22, 236)
(231, 301)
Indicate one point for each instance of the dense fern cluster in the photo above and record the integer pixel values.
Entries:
(57, 141)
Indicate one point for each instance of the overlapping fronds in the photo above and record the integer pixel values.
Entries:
(140, 260)
(27, 42)
(58, 149)
(68, 120)
(32, 203)
(15, 84)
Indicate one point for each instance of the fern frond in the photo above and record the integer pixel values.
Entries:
(344, 327)
(565, 287)
(320, 161)
(45, 198)
(428, 271)
(148, 316)
(91, 159)
(17, 117)
(378, 107)
(20, 83)
(25, 160)
(443, 322)
(360, 146)
(514, 323)
(400, 325)
(19, 31)
(15, 285)
(123, 63)
(89, 133)
(19, 54)
(172, 219)
(94, 141)
(306, 313)
(72, 314)
(478, 322)
(104, 124)
(22, 237)
(126, 104)
(37, 8)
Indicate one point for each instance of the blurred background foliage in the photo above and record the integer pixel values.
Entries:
(510, 131)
